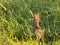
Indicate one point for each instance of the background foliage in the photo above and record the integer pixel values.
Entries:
(15, 16)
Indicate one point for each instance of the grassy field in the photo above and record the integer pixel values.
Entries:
(15, 16)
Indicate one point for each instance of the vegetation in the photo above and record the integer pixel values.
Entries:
(15, 16)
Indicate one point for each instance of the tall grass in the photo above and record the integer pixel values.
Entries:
(15, 16)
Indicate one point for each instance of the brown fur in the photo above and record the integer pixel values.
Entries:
(36, 28)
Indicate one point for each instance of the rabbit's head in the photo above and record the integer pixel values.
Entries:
(36, 16)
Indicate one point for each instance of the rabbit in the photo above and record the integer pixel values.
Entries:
(37, 31)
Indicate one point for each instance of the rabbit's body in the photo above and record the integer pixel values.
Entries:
(36, 28)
